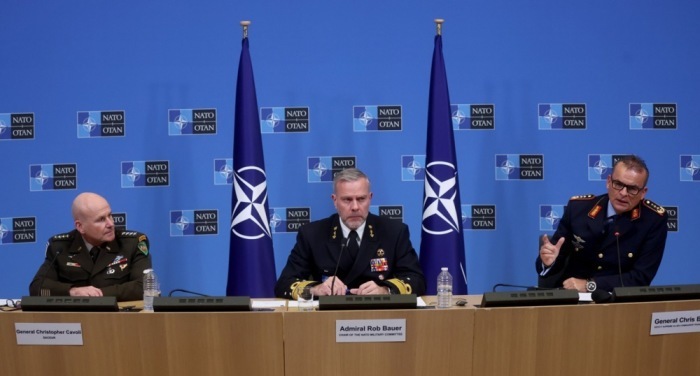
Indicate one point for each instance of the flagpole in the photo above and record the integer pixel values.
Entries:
(245, 25)
(438, 25)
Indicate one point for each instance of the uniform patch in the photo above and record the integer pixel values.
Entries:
(142, 238)
(143, 248)
(379, 265)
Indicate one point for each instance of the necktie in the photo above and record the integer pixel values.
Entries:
(610, 223)
(94, 252)
(353, 247)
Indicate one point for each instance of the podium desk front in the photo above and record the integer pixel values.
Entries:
(590, 339)
(133, 343)
(438, 342)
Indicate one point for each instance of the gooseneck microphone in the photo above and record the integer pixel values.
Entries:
(337, 264)
(619, 261)
(187, 291)
(41, 291)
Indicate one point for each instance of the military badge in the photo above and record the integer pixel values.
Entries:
(578, 242)
(378, 265)
(143, 248)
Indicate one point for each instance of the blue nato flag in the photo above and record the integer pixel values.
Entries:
(251, 269)
(442, 241)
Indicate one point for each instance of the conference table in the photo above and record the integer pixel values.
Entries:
(584, 339)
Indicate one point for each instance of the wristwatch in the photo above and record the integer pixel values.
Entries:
(591, 285)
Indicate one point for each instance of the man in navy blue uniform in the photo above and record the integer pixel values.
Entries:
(93, 259)
(607, 241)
(377, 255)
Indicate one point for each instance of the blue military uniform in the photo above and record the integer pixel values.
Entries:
(590, 250)
(117, 271)
(386, 257)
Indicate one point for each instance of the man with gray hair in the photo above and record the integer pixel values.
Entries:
(352, 251)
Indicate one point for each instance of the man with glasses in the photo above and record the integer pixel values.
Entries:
(607, 241)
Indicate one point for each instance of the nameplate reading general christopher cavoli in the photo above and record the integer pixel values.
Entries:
(675, 322)
(392, 330)
(51, 334)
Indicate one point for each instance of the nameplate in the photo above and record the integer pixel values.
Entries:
(391, 330)
(675, 322)
(51, 334)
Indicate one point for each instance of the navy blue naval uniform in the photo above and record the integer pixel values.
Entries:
(386, 257)
(591, 252)
(117, 271)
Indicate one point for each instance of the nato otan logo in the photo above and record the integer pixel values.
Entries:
(519, 167)
(473, 116)
(323, 169)
(550, 215)
(284, 220)
(194, 222)
(690, 168)
(223, 171)
(191, 121)
(16, 126)
(561, 116)
(672, 223)
(653, 116)
(600, 166)
(393, 212)
(48, 177)
(376, 118)
(137, 174)
(119, 221)
(479, 217)
(412, 167)
(284, 119)
(17, 230)
(92, 124)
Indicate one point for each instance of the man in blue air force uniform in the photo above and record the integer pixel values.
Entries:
(93, 259)
(607, 241)
(377, 255)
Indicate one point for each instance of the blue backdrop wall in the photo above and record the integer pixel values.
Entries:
(90, 90)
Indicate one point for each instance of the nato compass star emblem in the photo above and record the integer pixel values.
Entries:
(226, 171)
(365, 118)
(133, 174)
(320, 169)
(89, 124)
(692, 168)
(3, 127)
(458, 117)
(550, 116)
(41, 177)
(439, 210)
(180, 122)
(641, 116)
(552, 217)
(249, 217)
(600, 167)
(272, 120)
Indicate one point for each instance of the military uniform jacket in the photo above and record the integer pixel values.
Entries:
(591, 252)
(118, 270)
(386, 257)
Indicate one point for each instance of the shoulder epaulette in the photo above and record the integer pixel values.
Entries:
(129, 234)
(64, 236)
(660, 210)
(582, 197)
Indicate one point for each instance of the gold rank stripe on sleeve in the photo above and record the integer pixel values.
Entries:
(660, 210)
(298, 287)
(404, 288)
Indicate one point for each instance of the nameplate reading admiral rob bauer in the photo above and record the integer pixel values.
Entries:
(675, 322)
(392, 330)
(51, 334)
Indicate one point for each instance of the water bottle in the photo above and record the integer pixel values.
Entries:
(150, 289)
(444, 289)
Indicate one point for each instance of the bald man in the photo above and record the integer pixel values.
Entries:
(93, 259)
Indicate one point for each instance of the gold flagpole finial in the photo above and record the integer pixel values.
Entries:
(245, 25)
(438, 24)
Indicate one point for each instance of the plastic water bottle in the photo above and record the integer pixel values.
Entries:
(444, 289)
(150, 289)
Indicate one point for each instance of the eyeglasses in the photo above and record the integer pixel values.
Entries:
(632, 190)
(11, 305)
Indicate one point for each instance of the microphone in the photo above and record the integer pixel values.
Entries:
(42, 291)
(602, 296)
(335, 273)
(529, 288)
(619, 262)
(187, 291)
